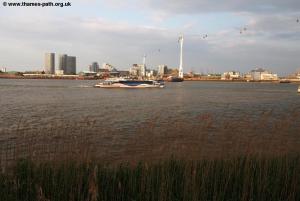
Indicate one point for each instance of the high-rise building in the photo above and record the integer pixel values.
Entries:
(162, 70)
(94, 67)
(62, 65)
(71, 65)
(67, 64)
(50, 63)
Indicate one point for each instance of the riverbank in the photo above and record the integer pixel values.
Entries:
(77, 77)
(51, 77)
(242, 178)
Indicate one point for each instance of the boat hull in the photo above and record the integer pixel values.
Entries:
(126, 86)
(130, 84)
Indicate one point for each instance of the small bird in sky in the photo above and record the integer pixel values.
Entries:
(243, 30)
(297, 20)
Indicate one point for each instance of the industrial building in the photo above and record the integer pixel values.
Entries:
(50, 63)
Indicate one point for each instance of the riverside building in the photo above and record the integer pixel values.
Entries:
(71, 65)
(50, 63)
(162, 70)
(231, 75)
(138, 70)
(94, 67)
(67, 64)
(260, 74)
(62, 63)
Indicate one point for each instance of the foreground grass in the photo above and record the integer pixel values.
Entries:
(242, 178)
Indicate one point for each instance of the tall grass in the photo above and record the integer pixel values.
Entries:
(228, 159)
(242, 178)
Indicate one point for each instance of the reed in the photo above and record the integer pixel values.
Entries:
(242, 178)
(206, 157)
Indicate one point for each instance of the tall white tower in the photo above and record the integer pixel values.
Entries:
(181, 55)
(143, 66)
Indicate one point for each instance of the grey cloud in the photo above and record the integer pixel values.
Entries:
(200, 6)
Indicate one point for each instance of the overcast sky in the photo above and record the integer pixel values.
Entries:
(120, 32)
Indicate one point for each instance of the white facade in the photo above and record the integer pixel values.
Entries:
(162, 70)
(231, 75)
(150, 73)
(138, 70)
(3, 70)
(260, 74)
(50, 63)
(59, 72)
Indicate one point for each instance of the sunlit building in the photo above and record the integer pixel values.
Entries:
(260, 74)
(138, 70)
(231, 75)
(62, 63)
(50, 63)
(162, 70)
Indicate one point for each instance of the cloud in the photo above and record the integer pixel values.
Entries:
(200, 6)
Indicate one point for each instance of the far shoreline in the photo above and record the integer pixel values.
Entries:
(77, 77)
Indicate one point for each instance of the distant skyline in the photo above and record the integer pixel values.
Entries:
(121, 32)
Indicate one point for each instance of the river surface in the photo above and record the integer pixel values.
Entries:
(115, 119)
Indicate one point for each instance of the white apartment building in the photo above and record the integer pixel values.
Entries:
(260, 74)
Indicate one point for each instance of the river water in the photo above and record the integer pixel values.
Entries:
(136, 123)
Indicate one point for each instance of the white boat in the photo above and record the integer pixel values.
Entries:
(123, 83)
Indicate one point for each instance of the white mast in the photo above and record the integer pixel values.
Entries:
(144, 60)
(181, 56)
(143, 67)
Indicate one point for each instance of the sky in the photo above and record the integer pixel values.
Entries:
(120, 32)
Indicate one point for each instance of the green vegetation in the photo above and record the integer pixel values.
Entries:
(242, 178)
